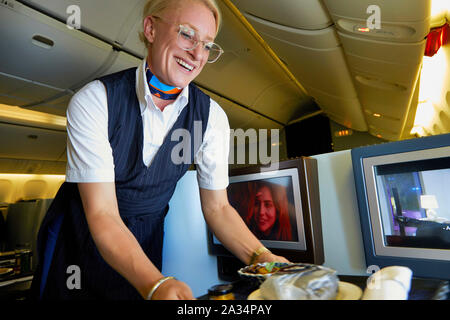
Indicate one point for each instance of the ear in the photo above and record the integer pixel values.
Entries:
(149, 30)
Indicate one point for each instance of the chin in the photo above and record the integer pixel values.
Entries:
(182, 83)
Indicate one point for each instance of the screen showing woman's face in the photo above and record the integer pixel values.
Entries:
(264, 210)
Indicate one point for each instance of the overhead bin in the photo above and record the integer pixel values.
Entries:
(20, 142)
(45, 50)
(317, 60)
(111, 20)
(401, 20)
(242, 118)
(385, 73)
(384, 60)
(18, 91)
(345, 111)
(300, 14)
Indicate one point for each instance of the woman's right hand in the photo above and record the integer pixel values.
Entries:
(173, 290)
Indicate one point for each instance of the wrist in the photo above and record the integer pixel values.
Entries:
(157, 285)
(258, 254)
(266, 256)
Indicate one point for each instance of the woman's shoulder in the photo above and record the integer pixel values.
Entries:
(90, 98)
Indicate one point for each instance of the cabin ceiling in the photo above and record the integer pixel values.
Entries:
(284, 60)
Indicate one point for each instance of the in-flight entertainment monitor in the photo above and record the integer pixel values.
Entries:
(403, 191)
(280, 206)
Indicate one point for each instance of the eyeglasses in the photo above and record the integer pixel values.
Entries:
(187, 40)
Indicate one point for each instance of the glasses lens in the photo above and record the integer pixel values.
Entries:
(186, 38)
(214, 52)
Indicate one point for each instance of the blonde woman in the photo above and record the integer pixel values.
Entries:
(107, 220)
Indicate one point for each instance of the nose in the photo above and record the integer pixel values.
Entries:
(261, 212)
(198, 53)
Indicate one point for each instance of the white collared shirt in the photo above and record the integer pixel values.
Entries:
(89, 153)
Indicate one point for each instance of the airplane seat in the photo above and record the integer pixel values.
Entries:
(42, 206)
(6, 189)
(22, 225)
(3, 210)
(19, 225)
(34, 189)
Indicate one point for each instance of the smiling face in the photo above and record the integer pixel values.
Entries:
(168, 62)
(264, 210)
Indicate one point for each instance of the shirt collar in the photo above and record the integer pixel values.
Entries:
(145, 97)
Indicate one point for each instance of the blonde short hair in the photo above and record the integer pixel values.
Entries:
(156, 6)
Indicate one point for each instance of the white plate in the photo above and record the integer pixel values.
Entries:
(346, 291)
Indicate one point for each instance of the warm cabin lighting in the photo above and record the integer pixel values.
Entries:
(418, 131)
(343, 133)
(363, 29)
(26, 177)
(424, 114)
(21, 115)
(377, 115)
(438, 7)
(434, 74)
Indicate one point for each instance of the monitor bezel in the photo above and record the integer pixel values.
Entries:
(309, 211)
(427, 263)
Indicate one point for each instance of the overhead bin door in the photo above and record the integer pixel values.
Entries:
(401, 20)
(111, 20)
(315, 57)
(43, 51)
(300, 14)
(115, 21)
(19, 142)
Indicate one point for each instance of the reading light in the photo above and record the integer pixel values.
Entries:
(343, 133)
(436, 39)
(363, 29)
(377, 115)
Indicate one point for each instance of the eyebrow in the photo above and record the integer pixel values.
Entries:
(208, 38)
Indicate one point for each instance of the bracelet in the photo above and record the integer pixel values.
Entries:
(257, 253)
(156, 286)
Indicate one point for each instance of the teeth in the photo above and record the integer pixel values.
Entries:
(184, 64)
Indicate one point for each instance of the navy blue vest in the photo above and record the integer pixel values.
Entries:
(143, 194)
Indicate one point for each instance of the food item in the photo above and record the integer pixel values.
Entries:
(221, 292)
(309, 283)
(262, 268)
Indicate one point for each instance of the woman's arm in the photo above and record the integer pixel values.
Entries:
(118, 246)
(230, 229)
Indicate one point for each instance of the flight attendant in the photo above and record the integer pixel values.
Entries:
(107, 220)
